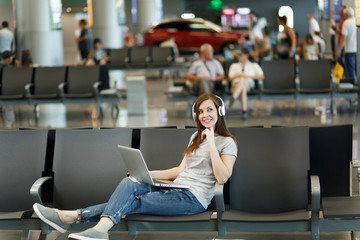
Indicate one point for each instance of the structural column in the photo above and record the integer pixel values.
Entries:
(108, 25)
(108, 22)
(148, 12)
(39, 29)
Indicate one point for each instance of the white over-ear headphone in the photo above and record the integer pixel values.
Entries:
(221, 109)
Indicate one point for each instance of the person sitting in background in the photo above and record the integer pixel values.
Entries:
(241, 76)
(98, 55)
(8, 60)
(263, 48)
(26, 59)
(206, 74)
(310, 48)
(320, 42)
(170, 42)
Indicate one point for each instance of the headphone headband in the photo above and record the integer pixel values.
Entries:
(221, 109)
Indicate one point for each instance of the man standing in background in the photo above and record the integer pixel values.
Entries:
(84, 40)
(313, 25)
(349, 40)
(6, 38)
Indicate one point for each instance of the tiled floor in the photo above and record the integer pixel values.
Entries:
(163, 113)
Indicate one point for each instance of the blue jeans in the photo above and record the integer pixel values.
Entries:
(132, 197)
(350, 66)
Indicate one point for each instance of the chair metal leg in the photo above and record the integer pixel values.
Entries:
(25, 235)
(115, 110)
(42, 236)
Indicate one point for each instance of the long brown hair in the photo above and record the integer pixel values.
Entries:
(220, 126)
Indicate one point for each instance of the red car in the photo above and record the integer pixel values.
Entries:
(190, 34)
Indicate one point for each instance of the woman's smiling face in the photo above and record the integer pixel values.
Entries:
(207, 114)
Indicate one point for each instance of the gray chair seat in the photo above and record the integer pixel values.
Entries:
(286, 91)
(43, 96)
(205, 216)
(12, 97)
(341, 207)
(341, 89)
(239, 216)
(79, 95)
(324, 90)
(15, 215)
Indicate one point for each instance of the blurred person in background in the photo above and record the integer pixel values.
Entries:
(310, 50)
(97, 56)
(338, 30)
(26, 58)
(170, 42)
(313, 24)
(349, 41)
(8, 60)
(286, 40)
(206, 74)
(263, 48)
(83, 40)
(6, 38)
(241, 76)
(319, 40)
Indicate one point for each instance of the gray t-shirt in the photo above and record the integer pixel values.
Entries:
(199, 174)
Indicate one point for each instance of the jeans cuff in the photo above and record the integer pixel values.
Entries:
(79, 212)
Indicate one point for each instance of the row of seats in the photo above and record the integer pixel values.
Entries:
(268, 190)
(141, 57)
(313, 80)
(72, 84)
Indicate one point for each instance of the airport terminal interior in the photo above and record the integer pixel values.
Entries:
(156, 107)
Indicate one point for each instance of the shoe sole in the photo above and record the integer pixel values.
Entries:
(48, 222)
(75, 237)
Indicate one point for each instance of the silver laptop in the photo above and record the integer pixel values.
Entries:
(138, 169)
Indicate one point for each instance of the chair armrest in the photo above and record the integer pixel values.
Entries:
(356, 163)
(28, 88)
(96, 88)
(61, 88)
(315, 193)
(35, 190)
(219, 197)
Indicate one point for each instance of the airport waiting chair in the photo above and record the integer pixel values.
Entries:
(87, 168)
(82, 86)
(13, 82)
(162, 149)
(162, 56)
(268, 190)
(139, 57)
(107, 94)
(119, 58)
(82, 82)
(45, 88)
(315, 79)
(330, 158)
(279, 82)
(22, 158)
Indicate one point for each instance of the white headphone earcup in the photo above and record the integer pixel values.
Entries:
(193, 112)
